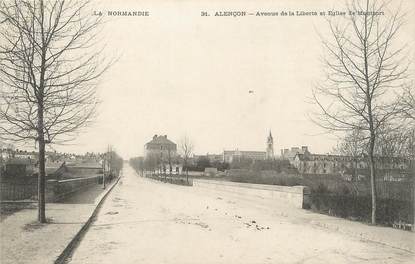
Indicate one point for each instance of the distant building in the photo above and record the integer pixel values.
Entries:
(160, 146)
(211, 157)
(215, 157)
(270, 146)
(289, 154)
(338, 164)
(165, 152)
(24, 154)
(231, 155)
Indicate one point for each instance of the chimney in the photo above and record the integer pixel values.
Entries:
(155, 136)
(165, 136)
(304, 149)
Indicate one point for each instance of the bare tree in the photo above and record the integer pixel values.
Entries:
(395, 141)
(365, 72)
(49, 69)
(151, 163)
(186, 149)
(139, 165)
(408, 103)
(169, 159)
(353, 145)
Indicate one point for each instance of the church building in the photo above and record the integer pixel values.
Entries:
(270, 147)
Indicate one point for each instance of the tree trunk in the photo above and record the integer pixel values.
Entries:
(372, 177)
(40, 127)
(355, 177)
(42, 175)
(170, 174)
(187, 171)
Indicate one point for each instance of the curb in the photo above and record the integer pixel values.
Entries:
(17, 201)
(69, 249)
(364, 236)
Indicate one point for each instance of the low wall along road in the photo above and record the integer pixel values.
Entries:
(58, 190)
(60, 183)
(297, 196)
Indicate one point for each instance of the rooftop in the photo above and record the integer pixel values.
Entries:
(331, 157)
(161, 140)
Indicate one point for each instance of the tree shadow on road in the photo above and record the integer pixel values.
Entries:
(8, 208)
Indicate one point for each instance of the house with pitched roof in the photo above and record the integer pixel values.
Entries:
(161, 146)
(164, 151)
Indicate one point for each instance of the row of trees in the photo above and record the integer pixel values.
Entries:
(203, 162)
(112, 162)
(164, 163)
(155, 162)
(368, 88)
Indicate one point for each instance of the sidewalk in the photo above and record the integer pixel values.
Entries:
(23, 240)
(392, 237)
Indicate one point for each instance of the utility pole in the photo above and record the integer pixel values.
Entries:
(105, 163)
(103, 172)
(110, 161)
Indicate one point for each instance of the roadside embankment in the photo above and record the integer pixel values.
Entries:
(287, 200)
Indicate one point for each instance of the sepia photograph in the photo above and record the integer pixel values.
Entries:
(207, 132)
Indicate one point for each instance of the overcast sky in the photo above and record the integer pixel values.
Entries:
(183, 74)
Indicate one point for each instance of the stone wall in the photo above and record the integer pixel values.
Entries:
(22, 188)
(58, 190)
(297, 196)
(82, 172)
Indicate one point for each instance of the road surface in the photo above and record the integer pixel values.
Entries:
(143, 221)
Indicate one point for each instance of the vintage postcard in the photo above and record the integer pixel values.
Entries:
(203, 132)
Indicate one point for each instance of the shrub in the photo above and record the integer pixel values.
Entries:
(359, 208)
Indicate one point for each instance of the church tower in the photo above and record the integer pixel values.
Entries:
(270, 146)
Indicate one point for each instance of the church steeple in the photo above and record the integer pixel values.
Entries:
(270, 146)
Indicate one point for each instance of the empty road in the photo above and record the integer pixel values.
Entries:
(144, 221)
